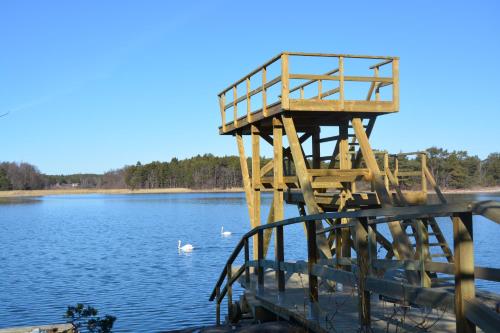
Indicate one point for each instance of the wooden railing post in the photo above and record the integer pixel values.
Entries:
(260, 257)
(386, 167)
(229, 291)
(464, 269)
(280, 257)
(341, 83)
(312, 259)
(249, 104)
(377, 86)
(285, 82)
(264, 92)
(235, 106)
(222, 105)
(247, 268)
(423, 162)
(395, 84)
(217, 305)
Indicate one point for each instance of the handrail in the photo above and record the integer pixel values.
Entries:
(285, 76)
(361, 276)
(401, 212)
(255, 71)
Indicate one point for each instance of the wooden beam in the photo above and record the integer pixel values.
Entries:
(256, 185)
(246, 184)
(464, 269)
(304, 180)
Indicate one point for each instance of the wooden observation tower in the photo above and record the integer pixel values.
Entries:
(326, 106)
(317, 112)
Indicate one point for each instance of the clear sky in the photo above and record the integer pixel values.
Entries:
(94, 85)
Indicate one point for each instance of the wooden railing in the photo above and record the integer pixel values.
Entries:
(282, 100)
(468, 310)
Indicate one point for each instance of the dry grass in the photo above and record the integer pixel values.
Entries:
(39, 193)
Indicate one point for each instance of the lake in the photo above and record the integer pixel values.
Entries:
(119, 254)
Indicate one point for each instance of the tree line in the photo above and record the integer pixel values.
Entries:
(451, 169)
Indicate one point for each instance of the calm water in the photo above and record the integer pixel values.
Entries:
(119, 253)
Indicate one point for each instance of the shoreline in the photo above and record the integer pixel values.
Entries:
(41, 193)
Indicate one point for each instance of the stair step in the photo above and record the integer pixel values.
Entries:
(439, 255)
(431, 244)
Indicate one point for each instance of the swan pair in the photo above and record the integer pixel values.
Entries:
(189, 247)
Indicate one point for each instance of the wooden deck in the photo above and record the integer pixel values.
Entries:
(337, 311)
(304, 93)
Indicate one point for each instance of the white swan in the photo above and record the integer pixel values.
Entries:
(185, 248)
(225, 233)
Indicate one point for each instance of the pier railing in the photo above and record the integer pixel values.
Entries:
(469, 311)
(307, 90)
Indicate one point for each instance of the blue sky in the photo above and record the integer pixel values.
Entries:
(94, 85)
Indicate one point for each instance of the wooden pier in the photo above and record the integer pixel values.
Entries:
(342, 196)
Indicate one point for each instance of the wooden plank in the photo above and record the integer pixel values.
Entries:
(247, 258)
(235, 106)
(318, 77)
(326, 105)
(489, 209)
(303, 85)
(380, 64)
(464, 269)
(341, 84)
(338, 275)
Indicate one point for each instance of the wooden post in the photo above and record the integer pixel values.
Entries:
(305, 181)
(377, 87)
(222, 105)
(229, 291)
(372, 247)
(264, 92)
(312, 258)
(217, 305)
(278, 169)
(256, 181)
(260, 257)
(249, 102)
(285, 85)
(316, 149)
(345, 163)
(280, 257)
(464, 269)
(364, 294)
(386, 167)
(395, 84)
(423, 252)
(246, 185)
(247, 258)
(320, 89)
(235, 106)
(341, 83)
(423, 161)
